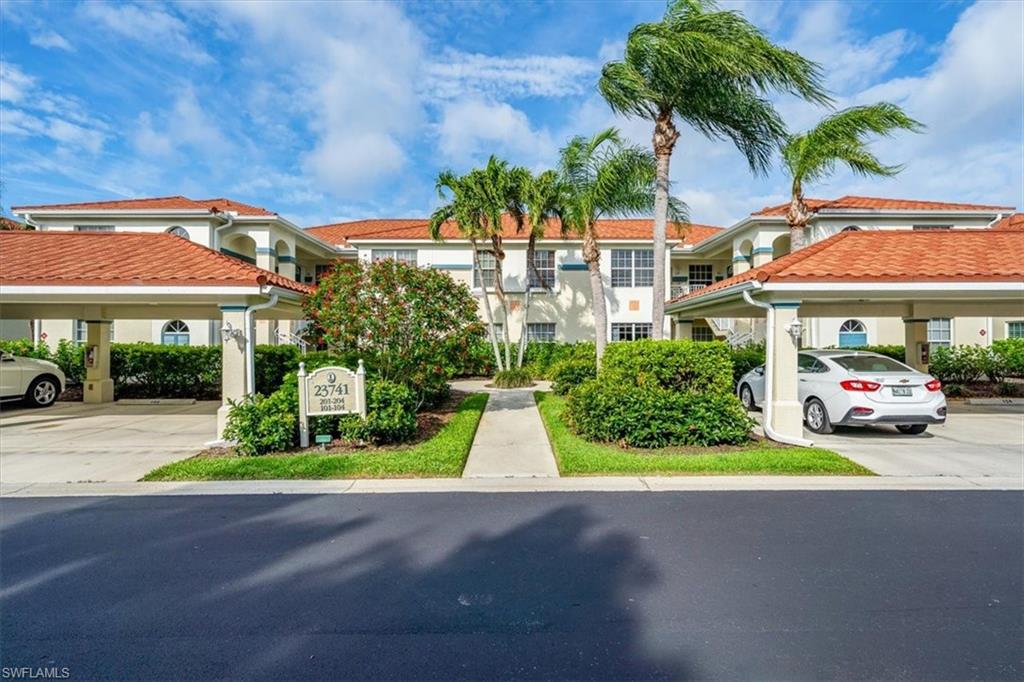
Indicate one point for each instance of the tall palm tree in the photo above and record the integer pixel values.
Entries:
(841, 138)
(464, 209)
(605, 178)
(544, 198)
(711, 70)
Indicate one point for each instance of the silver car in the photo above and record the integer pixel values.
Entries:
(854, 388)
(37, 382)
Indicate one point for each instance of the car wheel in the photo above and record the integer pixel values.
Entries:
(42, 392)
(912, 429)
(816, 417)
(747, 397)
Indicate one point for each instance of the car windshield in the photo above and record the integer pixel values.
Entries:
(870, 363)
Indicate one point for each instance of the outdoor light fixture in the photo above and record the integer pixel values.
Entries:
(796, 330)
(229, 332)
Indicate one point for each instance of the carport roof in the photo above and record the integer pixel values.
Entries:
(31, 258)
(891, 256)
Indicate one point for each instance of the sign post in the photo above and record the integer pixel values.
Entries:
(330, 390)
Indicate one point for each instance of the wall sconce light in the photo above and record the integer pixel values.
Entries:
(796, 330)
(229, 332)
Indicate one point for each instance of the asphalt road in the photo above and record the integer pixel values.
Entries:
(766, 585)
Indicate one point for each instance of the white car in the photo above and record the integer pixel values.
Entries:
(38, 382)
(853, 388)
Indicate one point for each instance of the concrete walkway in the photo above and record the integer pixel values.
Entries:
(511, 441)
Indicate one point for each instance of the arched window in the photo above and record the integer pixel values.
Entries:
(175, 333)
(851, 228)
(852, 333)
(178, 231)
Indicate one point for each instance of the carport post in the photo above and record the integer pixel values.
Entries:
(786, 412)
(684, 329)
(99, 387)
(234, 337)
(915, 335)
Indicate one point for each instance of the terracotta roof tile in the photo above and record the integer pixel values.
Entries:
(418, 228)
(1010, 222)
(852, 202)
(895, 256)
(171, 203)
(123, 259)
(9, 224)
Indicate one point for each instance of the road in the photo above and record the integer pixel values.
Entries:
(766, 585)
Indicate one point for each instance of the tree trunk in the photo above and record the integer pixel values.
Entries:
(488, 315)
(592, 257)
(499, 290)
(531, 247)
(797, 216)
(665, 136)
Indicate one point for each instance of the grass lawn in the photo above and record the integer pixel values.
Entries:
(580, 457)
(444, 455)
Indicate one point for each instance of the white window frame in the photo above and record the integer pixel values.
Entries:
(540, 332)
(178, 231)
(628, 271)
(177, 333)
(852, 323)
(634, 330)
(547, 270)
(489, 274)
(1009, 333)
(934, 335)
(408, 256)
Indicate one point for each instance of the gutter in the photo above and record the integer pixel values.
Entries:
(769, 373)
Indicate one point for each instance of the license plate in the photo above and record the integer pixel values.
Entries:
(902, 391)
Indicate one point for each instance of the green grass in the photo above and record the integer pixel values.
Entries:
(580, 457)
(442, 456)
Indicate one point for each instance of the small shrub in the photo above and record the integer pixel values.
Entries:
(959, 364)
(262, 424)
(1011, 353)
(954, 390)
(390, 415)
(513, 378)
(1009, 389)
(568, 374)
(685, 366)
(715, 420)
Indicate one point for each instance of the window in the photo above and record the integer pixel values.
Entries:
(175, 333)
(940, 332)
(700, 276)
(486, 270)
(808, 364)
(321, 270)
(933, 227)
(178, 231)
(544, 262)
(850, 228)
(702, 334)
(540, 332)
(870, 363)
(401, 255)
(630, 331)
(632, 267)
(852, 333)
(80, 333)
(1015, 329)
(94, 228)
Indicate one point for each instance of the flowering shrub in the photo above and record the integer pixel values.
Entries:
(414, 326)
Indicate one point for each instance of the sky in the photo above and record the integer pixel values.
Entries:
(333, 111)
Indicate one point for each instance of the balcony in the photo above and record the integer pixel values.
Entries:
(680, 289)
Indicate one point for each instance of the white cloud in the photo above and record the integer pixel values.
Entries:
(50, 40)
(147, 23)
(186, 125)
(471, 130)
(458, 74)
(14, 83)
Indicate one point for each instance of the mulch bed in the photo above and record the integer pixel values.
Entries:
(428, 424)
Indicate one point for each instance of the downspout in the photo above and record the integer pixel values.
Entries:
(769, 374)
(37, 325)
(988, 320)
(250, 334)
(229, 220)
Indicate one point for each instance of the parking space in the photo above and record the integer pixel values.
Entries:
(975, 441)
(72, 442)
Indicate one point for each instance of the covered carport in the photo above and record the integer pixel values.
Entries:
(100, 277)
(913, 275)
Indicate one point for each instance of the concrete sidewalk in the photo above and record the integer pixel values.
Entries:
(510, 441)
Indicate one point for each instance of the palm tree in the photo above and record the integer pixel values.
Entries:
(711, 70)
(840, 138)
(464, 209)
(544, 197)
(605, 178)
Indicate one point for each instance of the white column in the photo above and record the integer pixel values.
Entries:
(684, 330)
(915, 335)
(233, 342)
(786, 410)
(99, 387)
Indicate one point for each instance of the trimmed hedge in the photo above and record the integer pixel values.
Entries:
(686, 366)
(539, 358)
(1011, 353)
(568, 374)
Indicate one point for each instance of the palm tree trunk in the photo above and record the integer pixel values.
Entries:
(665, 136)
(797, 216)
(592, 257)
(499, 290)
(531, 248)
(488, 315)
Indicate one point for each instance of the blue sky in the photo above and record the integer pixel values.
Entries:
(336, 111)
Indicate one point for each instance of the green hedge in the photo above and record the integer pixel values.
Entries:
(1011, 353)
(686, 366)
(539, 358)
(894, 351)
(568, 374)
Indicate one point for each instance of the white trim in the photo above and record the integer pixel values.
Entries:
(901, 287)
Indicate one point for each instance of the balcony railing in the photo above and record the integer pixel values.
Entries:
(681, 289)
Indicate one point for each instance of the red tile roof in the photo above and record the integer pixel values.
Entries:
(852, 202)
(1011, 222)
(418, 228)
(51, 257)
(895, 256)
(173, 203)
(9, 224)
